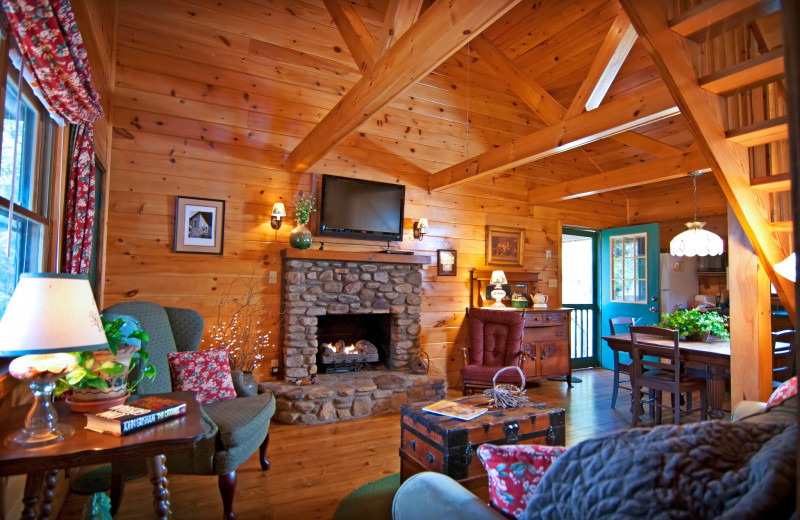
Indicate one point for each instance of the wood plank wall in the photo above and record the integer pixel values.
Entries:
(209, 99)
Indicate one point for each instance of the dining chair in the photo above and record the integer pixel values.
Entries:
(617, 326)
(783, 356)
(658, 368)
(494, 341)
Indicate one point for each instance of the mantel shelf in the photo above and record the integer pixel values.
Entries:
(350, 256)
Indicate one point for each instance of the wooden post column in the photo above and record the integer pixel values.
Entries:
(750, 325)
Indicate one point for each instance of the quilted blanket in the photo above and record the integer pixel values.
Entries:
(712, 469)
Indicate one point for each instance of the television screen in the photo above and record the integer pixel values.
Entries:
(355, 208)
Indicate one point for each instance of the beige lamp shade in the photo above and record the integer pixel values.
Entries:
(278, 210)
(49, 313)
(498, 277)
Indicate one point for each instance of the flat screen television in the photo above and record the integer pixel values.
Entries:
(356, 208)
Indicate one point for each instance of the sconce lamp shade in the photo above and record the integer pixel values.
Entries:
(696, 241)
(498, 277)
(51, 313)
(278, 210)
(788, 267)
(420, 228)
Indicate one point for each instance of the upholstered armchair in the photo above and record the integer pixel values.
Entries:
(234, 428)
(494, 341)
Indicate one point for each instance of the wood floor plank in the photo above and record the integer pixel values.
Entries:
(314, 467)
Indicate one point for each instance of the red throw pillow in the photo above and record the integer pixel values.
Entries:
(783, 392)
(514, 472)
(206, 372)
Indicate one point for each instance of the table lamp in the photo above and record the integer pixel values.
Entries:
(498, 280)
(48, 316)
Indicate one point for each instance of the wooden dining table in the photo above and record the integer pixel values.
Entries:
(713, 355)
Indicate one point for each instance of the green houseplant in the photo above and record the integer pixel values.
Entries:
(300, 237)
(696, 325)
(102, 374)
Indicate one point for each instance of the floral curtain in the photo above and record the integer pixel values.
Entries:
(48, 37)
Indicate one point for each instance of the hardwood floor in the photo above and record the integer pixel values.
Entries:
(314, 467)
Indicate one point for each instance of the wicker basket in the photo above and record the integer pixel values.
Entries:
(505, 395)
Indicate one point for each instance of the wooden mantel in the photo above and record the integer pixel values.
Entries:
(350, 256)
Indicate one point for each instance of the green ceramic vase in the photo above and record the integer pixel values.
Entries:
(300, 237)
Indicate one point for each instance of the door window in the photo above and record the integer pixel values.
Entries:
(629, 268)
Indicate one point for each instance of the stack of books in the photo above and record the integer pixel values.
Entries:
(129, 417)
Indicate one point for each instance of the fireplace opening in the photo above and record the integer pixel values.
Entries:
(352, 342)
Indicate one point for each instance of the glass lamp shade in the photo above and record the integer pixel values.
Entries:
(498, 280)
(788, 267)
(498, 277)
(696, 241)
(278, 210)
(48, 316)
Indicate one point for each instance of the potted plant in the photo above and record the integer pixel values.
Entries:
(101, 377)
(695, 325)
(300, 237)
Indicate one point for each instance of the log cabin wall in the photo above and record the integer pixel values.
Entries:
(207, 104)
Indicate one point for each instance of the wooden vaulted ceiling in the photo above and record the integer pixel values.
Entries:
(577, 97)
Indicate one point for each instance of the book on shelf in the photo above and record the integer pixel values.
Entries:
(128, 417)
(462, 411)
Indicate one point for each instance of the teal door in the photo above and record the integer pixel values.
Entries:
(629, 278)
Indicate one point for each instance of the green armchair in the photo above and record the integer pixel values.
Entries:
(234, 428)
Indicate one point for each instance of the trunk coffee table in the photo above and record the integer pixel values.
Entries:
(430, 442)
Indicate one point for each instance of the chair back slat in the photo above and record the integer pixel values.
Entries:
(621, 324)
(642, 345)
(783, 355)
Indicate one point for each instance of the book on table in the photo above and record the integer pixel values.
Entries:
(129, 417)
(462, 411)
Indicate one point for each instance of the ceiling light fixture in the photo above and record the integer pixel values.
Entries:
(696, 241)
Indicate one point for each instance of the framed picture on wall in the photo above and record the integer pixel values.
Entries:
(446, 262)
(504, 246)
(199, 225)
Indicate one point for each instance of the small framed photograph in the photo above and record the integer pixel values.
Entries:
(446, 262)
(199, 225)
(504, 246)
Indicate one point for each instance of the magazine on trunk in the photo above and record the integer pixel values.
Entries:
(465, 412)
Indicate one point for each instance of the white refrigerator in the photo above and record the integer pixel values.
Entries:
(679, 282)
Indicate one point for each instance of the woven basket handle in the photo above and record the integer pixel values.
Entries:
(521, 375)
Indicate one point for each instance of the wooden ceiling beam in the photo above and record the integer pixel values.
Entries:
(764, 68)
(620, 115)
(441, 31)
(702, 110)
(646, 144)
(537, 98)
(713, 17)
(645, 173)
(400, 16)
(354, 32)
(605, 66)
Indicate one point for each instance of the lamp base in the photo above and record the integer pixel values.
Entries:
(498, 304)
(24, 439)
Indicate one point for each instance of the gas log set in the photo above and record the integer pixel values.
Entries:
(340, 357)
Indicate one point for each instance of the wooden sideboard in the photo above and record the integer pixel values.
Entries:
(547, 342)
(547, 331)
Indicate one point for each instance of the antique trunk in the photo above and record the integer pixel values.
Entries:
(430, 442)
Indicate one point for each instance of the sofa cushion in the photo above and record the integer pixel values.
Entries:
(514, 472)
(783, 392)
(206, 372)
(242, 419)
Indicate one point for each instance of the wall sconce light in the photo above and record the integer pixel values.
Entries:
(278, 212)
(420, 228)
(498, 280)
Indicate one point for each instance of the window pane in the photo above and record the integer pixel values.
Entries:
(641, 247)
(641, 290)
(641, 267)
(616, 247)
(629, 246)
(630, 269)
(26, 253)
(617, 296)
(629, 291)
(26, 148)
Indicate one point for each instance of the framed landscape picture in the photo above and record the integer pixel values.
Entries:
(446, 262)
(504, 246)
(199, 225)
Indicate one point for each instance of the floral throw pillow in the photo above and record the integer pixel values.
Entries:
(783, 392)
(514, 472)
(206, 372)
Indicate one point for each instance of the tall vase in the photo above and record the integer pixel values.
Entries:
(300, 237)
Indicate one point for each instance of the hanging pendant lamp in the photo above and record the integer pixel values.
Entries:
(696, 241)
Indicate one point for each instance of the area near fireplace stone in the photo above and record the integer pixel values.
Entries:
(346, 286)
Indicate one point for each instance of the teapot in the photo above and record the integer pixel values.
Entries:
(539, 300)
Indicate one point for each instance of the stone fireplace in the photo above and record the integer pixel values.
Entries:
(330, 293)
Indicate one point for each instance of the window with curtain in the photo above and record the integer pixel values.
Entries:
(32, 131)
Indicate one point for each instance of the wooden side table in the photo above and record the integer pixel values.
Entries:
(88, 447)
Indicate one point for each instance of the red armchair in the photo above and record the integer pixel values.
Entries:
(494, 341)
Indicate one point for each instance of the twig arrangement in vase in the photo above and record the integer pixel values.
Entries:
(240, 327)
(304, 206)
